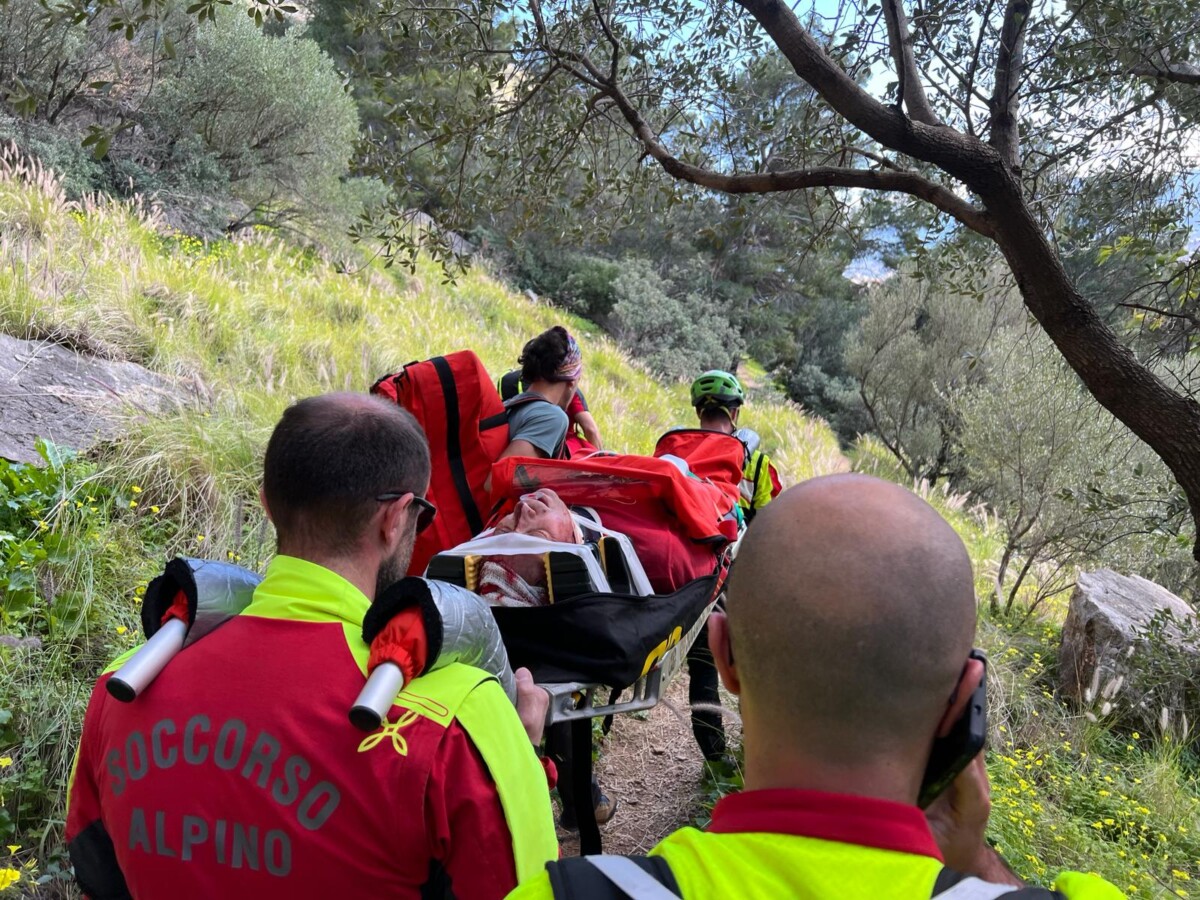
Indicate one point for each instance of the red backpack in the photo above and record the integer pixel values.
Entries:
(466, 425)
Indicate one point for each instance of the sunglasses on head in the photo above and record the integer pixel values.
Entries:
(426, 511)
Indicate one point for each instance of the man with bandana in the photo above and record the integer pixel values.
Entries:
(551, 364)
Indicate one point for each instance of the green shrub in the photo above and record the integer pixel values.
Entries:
(44, 58)
(271, 109)
(677, 334)
(49, 517)
(60, 527)
(56, 149)
(1064, 478)
(916, 342)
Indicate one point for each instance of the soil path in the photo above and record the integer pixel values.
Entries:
(652, 765)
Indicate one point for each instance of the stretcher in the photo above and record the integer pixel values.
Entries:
(604, 629)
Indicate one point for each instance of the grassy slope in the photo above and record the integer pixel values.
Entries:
(255, 325)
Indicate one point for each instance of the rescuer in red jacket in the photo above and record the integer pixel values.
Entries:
(238, 774)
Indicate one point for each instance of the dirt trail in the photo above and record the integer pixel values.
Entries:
(653, 766)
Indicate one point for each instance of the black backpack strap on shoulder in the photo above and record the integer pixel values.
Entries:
(560, 451)
(510, 384)
(612, 878)
(951, 885)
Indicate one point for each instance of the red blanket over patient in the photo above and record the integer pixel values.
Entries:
(676, 522)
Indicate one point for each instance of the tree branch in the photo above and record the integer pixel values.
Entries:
(1182, 314)
(797, 179)
(911, 91)
(973, 66)
(612, 39)
(1108, 124)
(964, 103)
(1179, 73)
(874, 157)
(957, 154)
(1005, 132)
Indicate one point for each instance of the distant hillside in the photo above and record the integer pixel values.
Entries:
(261, 323)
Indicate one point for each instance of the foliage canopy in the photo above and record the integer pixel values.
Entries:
(995, 114)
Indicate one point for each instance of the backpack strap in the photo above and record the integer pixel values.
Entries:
(952, 885)
(612, 878)
(510, 403)
(462, 484)
(510, 384)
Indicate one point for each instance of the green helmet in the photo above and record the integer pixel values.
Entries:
(717, 388)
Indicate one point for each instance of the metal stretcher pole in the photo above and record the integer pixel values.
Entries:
(377, 696)
(150, 659)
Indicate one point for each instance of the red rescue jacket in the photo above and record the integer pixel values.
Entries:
(238, 774)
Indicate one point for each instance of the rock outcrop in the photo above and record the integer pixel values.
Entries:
(1103, 639)
(48, 391)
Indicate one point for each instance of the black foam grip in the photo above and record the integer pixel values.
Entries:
(160, 594)
(403, 594)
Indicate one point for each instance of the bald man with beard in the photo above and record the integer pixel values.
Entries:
(851, 617)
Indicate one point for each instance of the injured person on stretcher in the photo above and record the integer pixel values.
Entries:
(600, 571)
(673, 514)
(678, 509)
(520, 580)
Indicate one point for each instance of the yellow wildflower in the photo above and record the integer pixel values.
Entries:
(5, 762)
(8, 877)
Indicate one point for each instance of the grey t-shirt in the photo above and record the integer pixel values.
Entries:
(542, 424)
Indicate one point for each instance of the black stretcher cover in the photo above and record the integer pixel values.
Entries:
(601, 638)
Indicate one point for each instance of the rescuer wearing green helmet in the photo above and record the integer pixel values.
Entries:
(718, 397)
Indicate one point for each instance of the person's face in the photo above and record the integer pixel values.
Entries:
(418, 516)
(540, 514)
(568, 393)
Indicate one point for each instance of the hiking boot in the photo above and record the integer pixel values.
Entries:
(605, 810)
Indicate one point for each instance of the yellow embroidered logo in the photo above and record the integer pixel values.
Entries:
(390, 730)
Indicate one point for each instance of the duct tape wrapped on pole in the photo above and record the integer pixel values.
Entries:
(191, 598)
(418, 625)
